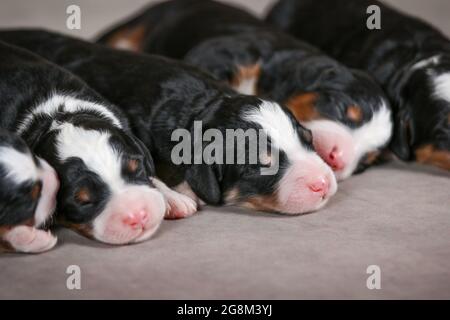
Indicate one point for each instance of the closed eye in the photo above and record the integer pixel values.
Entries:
(134, 166)
(36, 191)
(83, 196)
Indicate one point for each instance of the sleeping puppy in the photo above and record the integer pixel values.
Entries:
(410, 59)
(103, 168)
(28, 187)
(162, 98)
(346, 111)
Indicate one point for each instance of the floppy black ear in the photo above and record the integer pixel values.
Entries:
(403, 136)
(205, 180)
(37, 131)
(148, 159)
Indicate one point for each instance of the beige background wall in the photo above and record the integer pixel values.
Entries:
(99, 14)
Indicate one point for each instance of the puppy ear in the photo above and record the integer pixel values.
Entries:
(403, 136)
(36, 132)
(205, 182)
(148, 160)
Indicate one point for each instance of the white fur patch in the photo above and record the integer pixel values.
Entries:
(94, 149)
(20, 166)
(278, 126)
(69, 105)
(371, 135)
(442, 86)
(432, 61)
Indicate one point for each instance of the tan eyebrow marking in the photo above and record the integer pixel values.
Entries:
(303, 106)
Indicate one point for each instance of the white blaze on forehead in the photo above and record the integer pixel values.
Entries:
(370, 136)
(442, 86)
(376, 132)
(19, 166)
(441, 82)
(66, 104)
(94, 149)
(279, 127)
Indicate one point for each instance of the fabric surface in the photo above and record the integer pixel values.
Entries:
(396, 216)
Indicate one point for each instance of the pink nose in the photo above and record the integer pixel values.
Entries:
(320, 186)
(335, 159)
(136, 220)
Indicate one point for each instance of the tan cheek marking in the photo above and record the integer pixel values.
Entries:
(232, 196)
(372, 157)
(247, 73)
(128, 38)
(83, 229)
(354, 113)
(267, 203)
(4, 229)
(427, 154)
(303, 106)
(5, 246)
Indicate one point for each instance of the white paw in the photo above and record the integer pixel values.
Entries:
(179, 206)
(30, 240)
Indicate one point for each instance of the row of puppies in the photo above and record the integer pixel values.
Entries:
(345, 109)
(106, 171)
(242, 79)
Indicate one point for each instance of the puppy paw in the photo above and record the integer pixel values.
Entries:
(30, 240)
(179, 206)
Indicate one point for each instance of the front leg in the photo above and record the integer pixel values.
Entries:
(178, 205)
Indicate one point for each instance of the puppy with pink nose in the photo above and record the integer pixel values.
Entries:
(351, 149)
(162, 97)
(347, 111)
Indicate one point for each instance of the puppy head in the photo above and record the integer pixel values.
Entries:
(300, 182)
(28, 185)
(349, 116)
(105, 191)
(422, 117)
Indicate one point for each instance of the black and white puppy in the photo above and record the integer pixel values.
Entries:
(105, 191)
(346, 110)
(409, 58)
(160, 96)
(28, 187)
